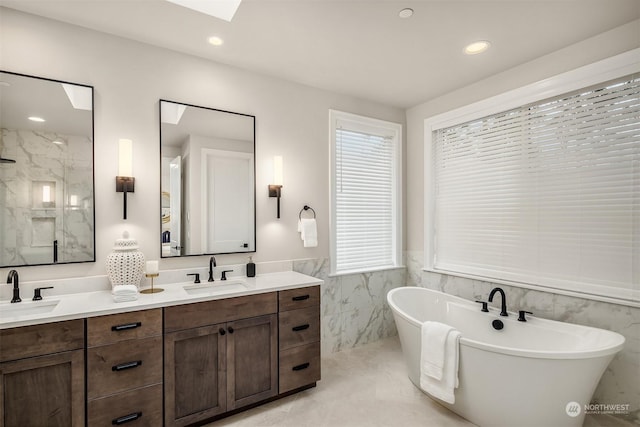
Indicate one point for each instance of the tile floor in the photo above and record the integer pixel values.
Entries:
(364, 387)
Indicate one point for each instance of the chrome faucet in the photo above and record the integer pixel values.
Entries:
(212, 264)
(503, 308)
(13, 277)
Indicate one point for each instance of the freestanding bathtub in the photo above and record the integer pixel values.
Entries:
(538, 373)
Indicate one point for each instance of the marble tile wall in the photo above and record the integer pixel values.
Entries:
(354, 310)
(620, 384)
(28, 225)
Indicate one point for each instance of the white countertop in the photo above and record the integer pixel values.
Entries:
(98, 303)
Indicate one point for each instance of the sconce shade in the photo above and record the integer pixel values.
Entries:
(125, 157)
(278, 175)
(125, 182)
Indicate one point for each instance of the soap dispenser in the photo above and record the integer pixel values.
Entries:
(251, 268)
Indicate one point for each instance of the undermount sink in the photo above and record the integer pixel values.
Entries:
(27, 308)
(218, 287)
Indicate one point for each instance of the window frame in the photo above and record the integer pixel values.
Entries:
(599, 72)
(367, 122)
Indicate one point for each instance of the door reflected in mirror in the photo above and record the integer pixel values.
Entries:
(207, 181)
(46, 171)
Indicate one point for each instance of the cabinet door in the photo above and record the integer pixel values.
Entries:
(43, 391)
(252, 360)
(195, 379)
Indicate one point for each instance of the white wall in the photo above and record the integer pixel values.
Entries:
(129, 78)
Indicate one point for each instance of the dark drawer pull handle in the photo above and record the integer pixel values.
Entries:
(300, 328)
(300, 367)
(128, 365)
(222, 331)
(118, 328)
(126, 418)
(300, 298)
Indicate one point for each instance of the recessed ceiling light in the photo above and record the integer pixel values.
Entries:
(57, 142)
(36, 119)
(477, 47)
(215, 40)
(406, 13)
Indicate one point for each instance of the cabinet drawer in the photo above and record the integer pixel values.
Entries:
(125, 326)
(299, 366)
(298, 298)
(123, 366)
(299, 327)
(194, 315)
(139, 407)
(36, 340)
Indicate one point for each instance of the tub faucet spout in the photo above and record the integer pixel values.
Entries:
(503, 307)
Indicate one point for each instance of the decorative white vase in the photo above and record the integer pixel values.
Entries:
(125, 264)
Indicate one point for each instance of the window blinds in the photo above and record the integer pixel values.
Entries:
(364, 197)
(547, 194)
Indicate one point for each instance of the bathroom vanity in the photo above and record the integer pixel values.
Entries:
(171, 358)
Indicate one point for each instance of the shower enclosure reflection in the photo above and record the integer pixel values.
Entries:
(46, 171)
(207, 180)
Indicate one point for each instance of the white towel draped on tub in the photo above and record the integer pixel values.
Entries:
(439, 360)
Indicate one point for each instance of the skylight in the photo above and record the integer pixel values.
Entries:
(222, 9)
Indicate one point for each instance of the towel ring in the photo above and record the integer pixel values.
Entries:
(306, 208)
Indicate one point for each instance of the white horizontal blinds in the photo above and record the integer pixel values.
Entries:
(364, 194)
(547, 193)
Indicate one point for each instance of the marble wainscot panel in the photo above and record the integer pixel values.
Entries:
(619, 384)
(47, 196)
(354, 309)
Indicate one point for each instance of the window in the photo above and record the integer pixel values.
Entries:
(546, 194)
(365, 193)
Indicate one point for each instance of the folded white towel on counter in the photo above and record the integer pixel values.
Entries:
(308, 232)
(124, 293)
(439, 360)
(124, 290)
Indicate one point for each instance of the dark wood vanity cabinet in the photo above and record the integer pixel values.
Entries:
(42, 375)
(201, 360)
(299, 342)
(124, 369)
(226, 360)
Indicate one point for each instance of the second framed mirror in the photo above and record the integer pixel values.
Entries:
(207, 180)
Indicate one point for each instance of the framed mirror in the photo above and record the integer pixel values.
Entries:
(46, 171)
(207, 181)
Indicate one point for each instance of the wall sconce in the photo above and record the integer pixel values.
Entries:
(275, 189)
(125, 182)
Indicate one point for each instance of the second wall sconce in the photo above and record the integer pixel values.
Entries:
(125, 182)
(275, 189)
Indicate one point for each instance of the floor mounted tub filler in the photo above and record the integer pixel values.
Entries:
(534, 373)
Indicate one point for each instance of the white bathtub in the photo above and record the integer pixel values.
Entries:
(523, 375)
